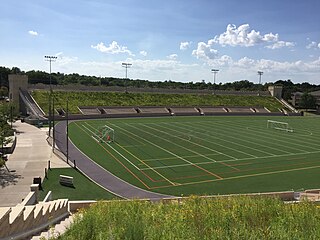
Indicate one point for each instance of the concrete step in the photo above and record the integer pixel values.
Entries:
(56, 230)
(16, 212)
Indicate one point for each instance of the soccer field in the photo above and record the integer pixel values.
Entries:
(207, 155)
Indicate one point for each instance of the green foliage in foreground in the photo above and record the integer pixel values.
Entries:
(198, 218)
(83, 189)
(149, 99)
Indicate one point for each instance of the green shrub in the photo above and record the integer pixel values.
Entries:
(198, 218)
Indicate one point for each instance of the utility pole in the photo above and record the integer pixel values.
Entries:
(214, 71)
(67, 115)
(50, 59)
(260, 74)
(126, 66)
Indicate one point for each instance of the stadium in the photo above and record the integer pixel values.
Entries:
(157, 145)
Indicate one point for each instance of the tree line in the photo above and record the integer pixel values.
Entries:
(58, 78)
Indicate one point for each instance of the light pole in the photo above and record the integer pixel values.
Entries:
(214, 71)
(126, 65)
(260, 74)
(50, 59)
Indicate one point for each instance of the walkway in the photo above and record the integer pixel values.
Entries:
(99, 174)
(28, 160)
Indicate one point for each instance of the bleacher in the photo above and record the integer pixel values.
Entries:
(184, 111)
(152, 110)
(89, 110)
(208, 110)
(120, 110)
(240, 110)
(261, 110)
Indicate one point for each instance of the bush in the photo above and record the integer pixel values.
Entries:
(198, 218)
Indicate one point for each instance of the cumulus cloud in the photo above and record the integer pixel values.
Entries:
(184, 45)
(113, 48)
(143, 53)
(205, 51)
(65, 60)
(245, 37)
(33, 33)
(173, 56)
(313, 45)
(281, 44)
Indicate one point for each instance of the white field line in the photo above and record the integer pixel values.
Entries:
(283, 139)
(112, 147)
(251, 142)
(283, 155)
(143, 163)
(179, 165)
(221, 139)
(263, 134)
(199, 145)
(172, 158)
(163, 149)
(251, 175)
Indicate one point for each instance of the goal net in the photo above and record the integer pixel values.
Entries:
(104, 134)
(283, 126)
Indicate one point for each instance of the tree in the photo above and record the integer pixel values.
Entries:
(307, 101)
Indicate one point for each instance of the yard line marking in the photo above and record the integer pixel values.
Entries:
(282, 155)
(146, 165)
(172, 158)
(133, 156)
(193, 164)
(199, 145)
(243, 176)
(112, 147)
(263, 133)
(250, 141)
(205, 140)
(199, 154)
(232, 142)
(115, 158)
(178, 165)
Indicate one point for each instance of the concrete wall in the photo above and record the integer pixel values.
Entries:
(17, 82)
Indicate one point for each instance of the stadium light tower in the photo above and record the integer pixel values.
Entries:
(260, 74)
(50, 59)
(214, 71)
(126, 66)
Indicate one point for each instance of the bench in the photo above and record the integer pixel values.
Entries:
(66, 180)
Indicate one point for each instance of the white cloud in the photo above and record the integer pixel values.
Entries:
(33, 33)
(281, 44)
(113, 48)
(205, 51)
(184, 45)
(65, 60)
(313, 45)
(245, 37)
(173, 56)
(143, 53)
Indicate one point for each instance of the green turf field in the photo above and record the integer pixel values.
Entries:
(207, 155)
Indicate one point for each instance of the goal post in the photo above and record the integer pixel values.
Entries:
(104, 134)
(282, 126)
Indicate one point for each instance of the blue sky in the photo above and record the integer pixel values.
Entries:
(165, 40)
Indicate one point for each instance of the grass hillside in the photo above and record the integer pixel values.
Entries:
(149, 99)
(198, 218)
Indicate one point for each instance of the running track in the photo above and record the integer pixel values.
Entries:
(98, 174)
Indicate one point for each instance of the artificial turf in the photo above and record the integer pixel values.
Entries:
(207, 155)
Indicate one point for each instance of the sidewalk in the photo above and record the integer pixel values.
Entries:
(28, 160)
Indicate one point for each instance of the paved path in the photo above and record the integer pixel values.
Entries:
(97, 173)
(30, 157)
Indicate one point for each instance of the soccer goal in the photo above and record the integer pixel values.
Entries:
(283, 126)
(104, 134)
